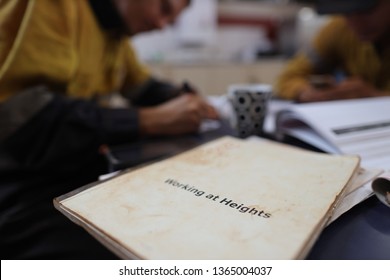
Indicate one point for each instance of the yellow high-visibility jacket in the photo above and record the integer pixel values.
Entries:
(61, 45)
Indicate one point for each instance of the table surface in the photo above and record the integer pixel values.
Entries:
(361, 233)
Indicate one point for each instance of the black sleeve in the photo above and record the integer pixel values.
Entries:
(66, 131)
(154, 92)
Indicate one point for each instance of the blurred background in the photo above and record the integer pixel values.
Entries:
(219, 42)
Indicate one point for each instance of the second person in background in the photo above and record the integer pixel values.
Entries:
(349, 58)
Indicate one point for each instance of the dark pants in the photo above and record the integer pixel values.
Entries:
(30, 226)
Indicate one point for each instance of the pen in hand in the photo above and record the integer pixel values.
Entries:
(186, 88)
(209, 112)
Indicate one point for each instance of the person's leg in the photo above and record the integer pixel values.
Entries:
(30, 226)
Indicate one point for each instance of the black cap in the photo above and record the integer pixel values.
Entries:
(344, 6)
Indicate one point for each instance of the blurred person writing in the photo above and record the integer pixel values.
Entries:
(349, 58)
(58, 60)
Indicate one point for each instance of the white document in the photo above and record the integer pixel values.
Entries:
(359, 126)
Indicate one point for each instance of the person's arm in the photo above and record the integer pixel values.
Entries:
(348, 89)
(163, 108)
(67, 128)
(181, 115)
(294, 78)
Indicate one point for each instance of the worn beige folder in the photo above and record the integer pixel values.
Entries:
(227, 199)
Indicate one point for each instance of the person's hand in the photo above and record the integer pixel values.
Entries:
(180, 115)
(347, 89)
